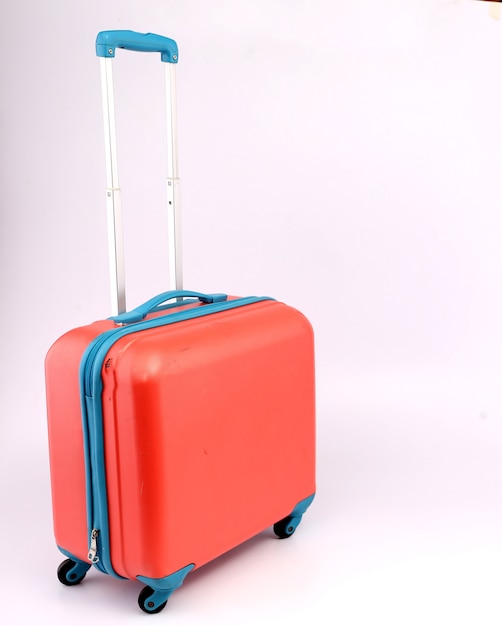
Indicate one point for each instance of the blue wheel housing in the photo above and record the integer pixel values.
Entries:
(72, 572)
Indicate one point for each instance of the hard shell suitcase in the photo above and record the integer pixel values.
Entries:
(182, 428)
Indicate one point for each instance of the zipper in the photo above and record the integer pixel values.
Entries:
(91, 387)
(93, 548)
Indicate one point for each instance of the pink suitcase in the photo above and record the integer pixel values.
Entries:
(182, 428)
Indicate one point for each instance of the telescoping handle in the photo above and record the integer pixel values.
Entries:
(106, 44)
(108, 40)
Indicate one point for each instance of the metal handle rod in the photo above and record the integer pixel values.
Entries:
(173, 182)
(113, 192)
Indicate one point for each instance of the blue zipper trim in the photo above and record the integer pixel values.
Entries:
(91, 387)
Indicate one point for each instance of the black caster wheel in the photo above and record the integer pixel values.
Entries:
(70, 573)
(147, 602)
(285, 528)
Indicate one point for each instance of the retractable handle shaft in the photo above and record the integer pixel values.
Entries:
(106, 44)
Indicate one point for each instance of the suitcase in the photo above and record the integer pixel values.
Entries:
(184, 427)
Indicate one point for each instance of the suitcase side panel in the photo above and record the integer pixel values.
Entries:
(66, 443)
(209, 435)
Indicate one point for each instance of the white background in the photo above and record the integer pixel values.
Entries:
(345, 157)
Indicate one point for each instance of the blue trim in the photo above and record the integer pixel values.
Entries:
(91, 387)
(108, 40)
(302, 506)
(80, 568)
(167, 583)
(295, 517)
(67, 554)
(164, 587)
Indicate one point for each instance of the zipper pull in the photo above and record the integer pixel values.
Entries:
(93, 550)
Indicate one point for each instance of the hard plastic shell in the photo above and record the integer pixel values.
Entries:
(208, 432)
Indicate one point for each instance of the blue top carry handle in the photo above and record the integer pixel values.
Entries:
(140, 312)
(108, 40)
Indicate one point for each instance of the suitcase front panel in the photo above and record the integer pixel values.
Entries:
(209, 435)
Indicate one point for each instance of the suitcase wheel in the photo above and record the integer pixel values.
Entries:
(152, 601)
(286, 527)
(72, 572)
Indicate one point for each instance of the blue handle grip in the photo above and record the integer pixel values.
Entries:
(140, 312)
(108, 40)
